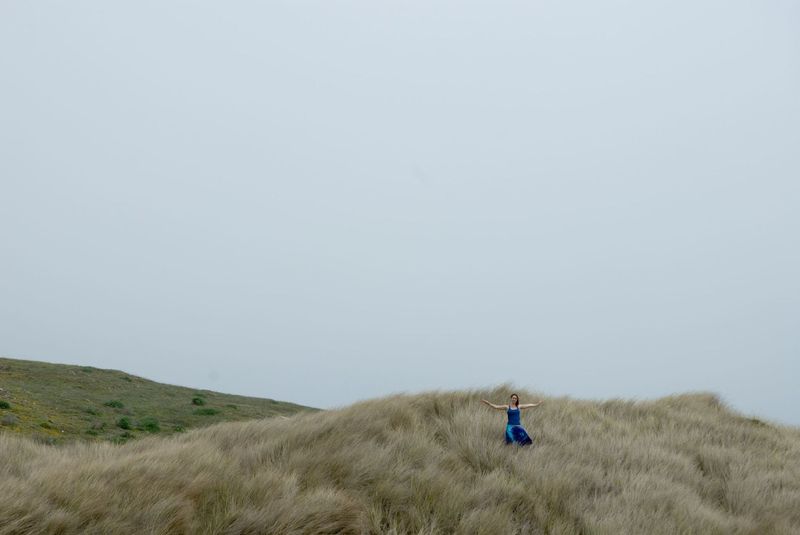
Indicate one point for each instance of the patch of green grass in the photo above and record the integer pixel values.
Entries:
(5, 405)
(45, 425)
(114, 403)
(198, 401)
(124, 423)
(232, 406)
(206, 411)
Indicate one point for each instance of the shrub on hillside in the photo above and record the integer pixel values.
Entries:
(198, 401)
(124, 423)
(150, 425)
(206, 411)
(5, 405)
(114, 403)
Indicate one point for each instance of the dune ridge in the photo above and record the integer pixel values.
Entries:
(425, 464)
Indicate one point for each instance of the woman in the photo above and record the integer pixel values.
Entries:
(515, 433)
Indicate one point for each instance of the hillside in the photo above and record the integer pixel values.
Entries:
(424, 464)
(57, 402)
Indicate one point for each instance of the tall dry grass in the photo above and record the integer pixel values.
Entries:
(423, 464)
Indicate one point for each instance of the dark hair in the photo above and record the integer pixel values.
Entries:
(517, 403)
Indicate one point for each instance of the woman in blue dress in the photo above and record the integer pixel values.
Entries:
(515, 433)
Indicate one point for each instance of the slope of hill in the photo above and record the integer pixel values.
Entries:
(423, 464)
(57, 402)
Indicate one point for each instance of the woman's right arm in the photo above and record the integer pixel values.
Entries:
(492, 405)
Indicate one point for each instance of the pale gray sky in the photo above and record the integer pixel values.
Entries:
(328, 201)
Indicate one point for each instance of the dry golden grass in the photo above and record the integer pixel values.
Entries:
(423, 464)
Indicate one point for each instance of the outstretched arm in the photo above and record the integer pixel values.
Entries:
(531, 405)
(492, 405)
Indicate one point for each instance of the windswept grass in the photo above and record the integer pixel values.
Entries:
(423, 464)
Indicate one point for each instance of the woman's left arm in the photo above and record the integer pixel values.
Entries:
(531, 405)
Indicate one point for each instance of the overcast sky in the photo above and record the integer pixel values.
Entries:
(324, 201)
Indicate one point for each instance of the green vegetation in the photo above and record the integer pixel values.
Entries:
(428, 464)
(122, 438)
(198, 401)
(124, 423)
(85, 403)
(206, 411)
(150, 425)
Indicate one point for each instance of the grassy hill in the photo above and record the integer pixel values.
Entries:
(57, 402)
(433, 463)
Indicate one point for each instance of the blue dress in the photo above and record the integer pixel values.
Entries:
(515, 433)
